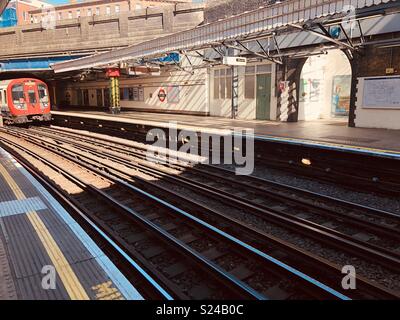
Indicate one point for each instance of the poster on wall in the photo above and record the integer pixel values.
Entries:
(135, 94)
(341, 87)
(141, 93)
(315, 89)
(381, 92)
(173, 94)
(310, 90)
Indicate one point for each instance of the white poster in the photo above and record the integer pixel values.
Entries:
(381, 92)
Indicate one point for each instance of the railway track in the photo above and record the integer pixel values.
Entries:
(368, 289)
(379, 239)
(190, 257)
(352, 170)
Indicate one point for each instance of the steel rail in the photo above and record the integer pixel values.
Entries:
(252, 250)
(236, 284)
(358, 247)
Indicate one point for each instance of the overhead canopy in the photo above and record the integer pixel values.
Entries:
(263, 22)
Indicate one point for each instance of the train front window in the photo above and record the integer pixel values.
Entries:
(32, 96)
(17, 93)
(43, 95)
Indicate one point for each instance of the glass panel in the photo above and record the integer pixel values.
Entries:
(251, 69)
(130, 93)
(126, 93)
(141, 94)
(228, 72)
(135, 94)
(264, 68)
(229, 87)
(249, 87)
(32, 96)
(17, 93)
(43, 95)
(216, 73)
(216, 88)
(222, 72)
(222, 86)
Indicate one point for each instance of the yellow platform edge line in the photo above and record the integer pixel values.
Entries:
(68, 277)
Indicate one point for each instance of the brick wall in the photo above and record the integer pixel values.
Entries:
(374, 60)
(100, 32)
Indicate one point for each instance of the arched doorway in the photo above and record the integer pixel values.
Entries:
(325, 86)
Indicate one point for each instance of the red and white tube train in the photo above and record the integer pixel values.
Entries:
(24, 100)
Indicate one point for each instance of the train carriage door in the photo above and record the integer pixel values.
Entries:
(31, 97)
(263, 96)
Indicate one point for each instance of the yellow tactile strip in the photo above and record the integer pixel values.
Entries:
(68, 277)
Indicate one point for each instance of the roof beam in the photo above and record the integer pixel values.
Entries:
(253, 24)
(325, 35)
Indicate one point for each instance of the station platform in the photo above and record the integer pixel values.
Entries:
(331, 134)
(44, 253)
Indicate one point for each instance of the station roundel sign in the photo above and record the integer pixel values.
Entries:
(162, 95)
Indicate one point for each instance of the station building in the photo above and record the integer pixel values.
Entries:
(316, 71)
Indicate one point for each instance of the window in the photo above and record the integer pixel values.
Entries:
(32, 96)
(117, 8)
(78, 13)
(89, 12)
(228, 83)
(69, 14)
(133, 94)
(223, 84)
(35, 19)
(97, 11)
(25, 16)
(130, 94)
(17, 93)
(108, 10)
(125, 95)
(249, 82)
(60, 16)
(216, 84)
(43, 95)
(264, 68)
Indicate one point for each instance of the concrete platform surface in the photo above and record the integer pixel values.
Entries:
(333, 133)
(44, 253)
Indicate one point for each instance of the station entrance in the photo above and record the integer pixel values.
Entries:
(325, 85)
